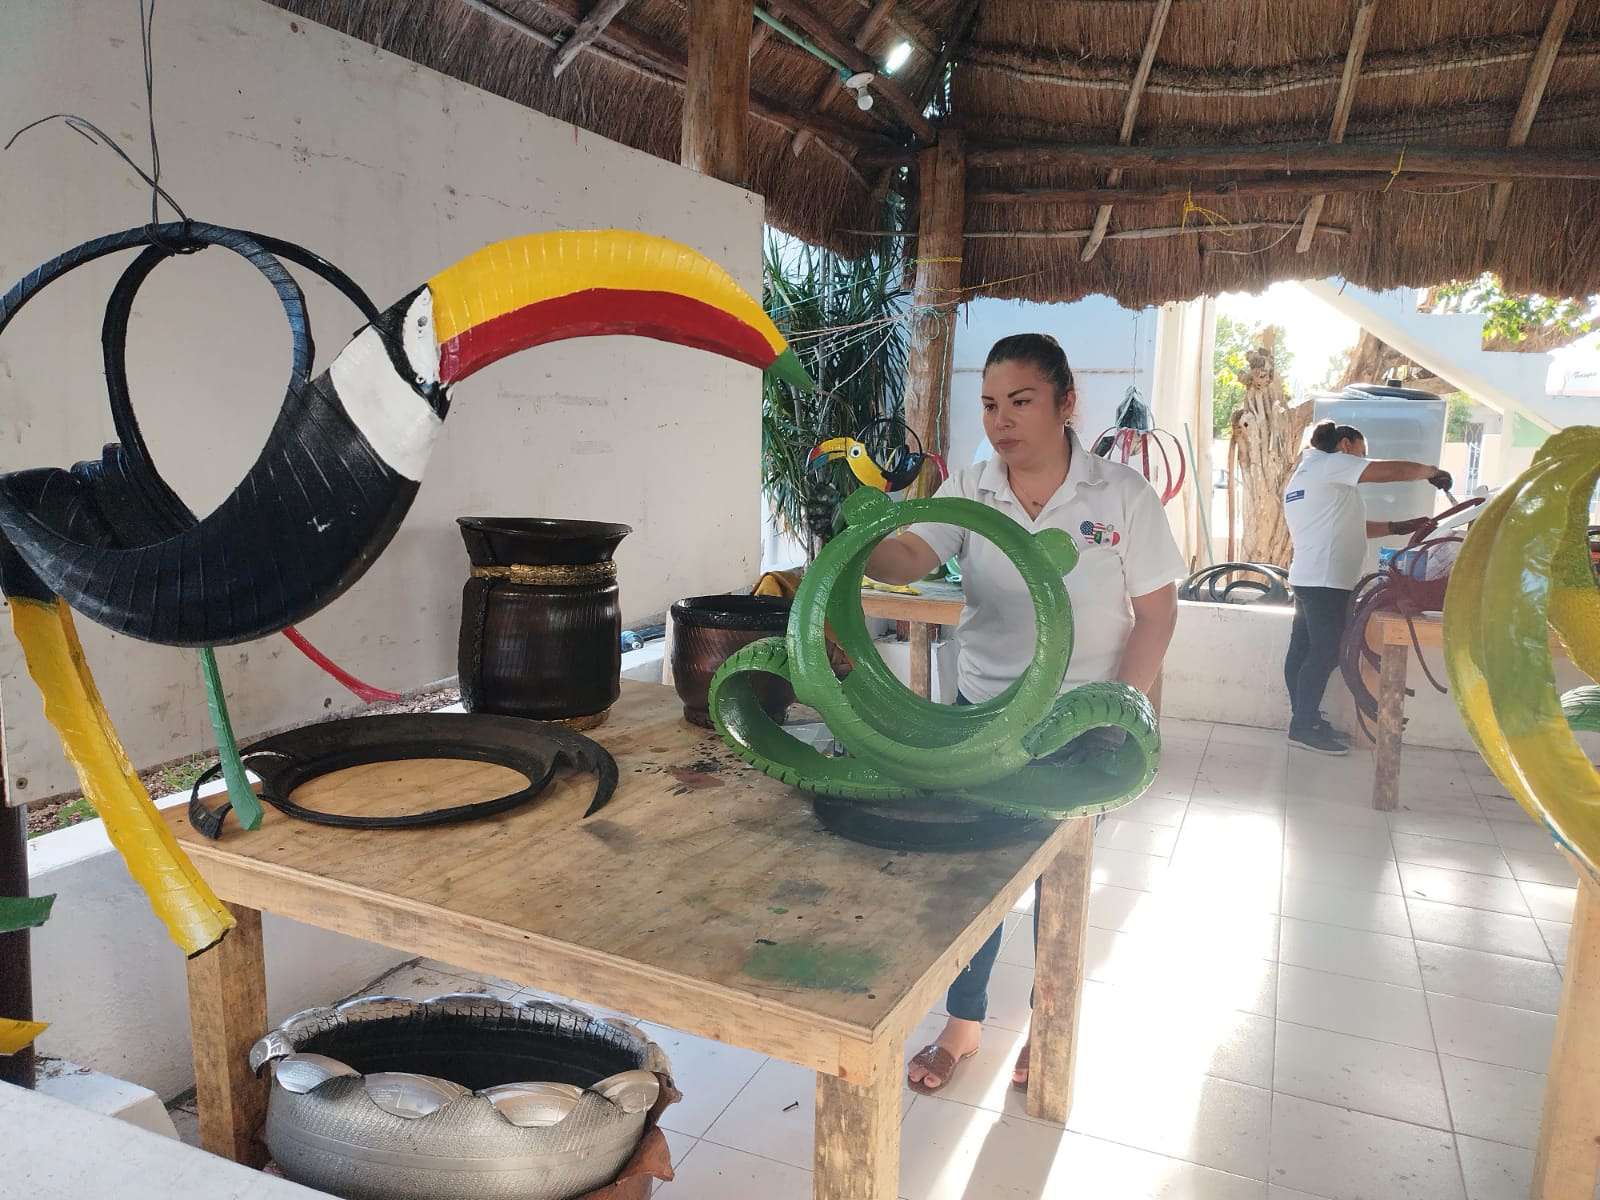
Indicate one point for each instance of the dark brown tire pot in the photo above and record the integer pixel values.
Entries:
(541, 626)
(707, 630)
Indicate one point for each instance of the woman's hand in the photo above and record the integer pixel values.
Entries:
(901, 560)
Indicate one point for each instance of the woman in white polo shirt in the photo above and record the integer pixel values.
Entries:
(1123, 590)
(1328, 524)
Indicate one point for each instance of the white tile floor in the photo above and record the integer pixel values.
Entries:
(1289, 996)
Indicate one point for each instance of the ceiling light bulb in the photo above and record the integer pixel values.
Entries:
(863, 100)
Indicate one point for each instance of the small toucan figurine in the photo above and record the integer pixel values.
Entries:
(902, 469)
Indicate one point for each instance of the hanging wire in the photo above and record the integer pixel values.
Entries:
(93, 133)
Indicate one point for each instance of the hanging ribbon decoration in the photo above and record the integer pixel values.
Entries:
(1131, 440)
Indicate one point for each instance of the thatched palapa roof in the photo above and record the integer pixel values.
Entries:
(1148, 149)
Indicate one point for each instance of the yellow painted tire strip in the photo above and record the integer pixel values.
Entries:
(193, 915)
(18, 1035)
(1497, 612)
(520, 271)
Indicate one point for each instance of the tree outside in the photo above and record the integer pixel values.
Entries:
(1234, 341)
(1515, 321)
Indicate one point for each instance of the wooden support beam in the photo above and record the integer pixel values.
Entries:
(1451, 57)
(1428, 160)
(1544, 60)
(587, 33)
(812, 23)
(1130, 114)
(716, 93)
(871, 27)
(1203, 191)
(936, 294)
(227, 1013)
(1568, 1156)
(496, 13)
(1362, 30)
(960, 31)
(1068, 235)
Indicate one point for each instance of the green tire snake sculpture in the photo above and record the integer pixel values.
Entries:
(994, 755)
(1523, 570)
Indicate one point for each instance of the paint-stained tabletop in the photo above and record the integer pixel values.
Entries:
(704, 895)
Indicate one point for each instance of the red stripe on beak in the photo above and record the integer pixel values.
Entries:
(665, 316)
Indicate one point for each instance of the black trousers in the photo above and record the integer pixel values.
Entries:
(1319, 619)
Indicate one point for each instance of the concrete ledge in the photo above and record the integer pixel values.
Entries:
(95, 1092)
(61, 1152)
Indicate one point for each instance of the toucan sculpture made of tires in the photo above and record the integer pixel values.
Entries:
(340, 468)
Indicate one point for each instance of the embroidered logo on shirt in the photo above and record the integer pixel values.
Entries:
(1098, 533)
(1297, 494)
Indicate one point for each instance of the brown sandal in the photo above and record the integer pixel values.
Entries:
(935, 1060)
(1022, 1065)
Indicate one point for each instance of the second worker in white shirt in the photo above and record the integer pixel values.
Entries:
(1328, 524)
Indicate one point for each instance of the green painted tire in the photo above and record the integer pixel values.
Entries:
(901, 746)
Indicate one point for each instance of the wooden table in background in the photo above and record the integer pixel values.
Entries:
(704, 897)
(1394, 638)
(937, 603)
(1567, 1162)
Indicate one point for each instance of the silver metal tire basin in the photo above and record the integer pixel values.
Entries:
(381, 1098)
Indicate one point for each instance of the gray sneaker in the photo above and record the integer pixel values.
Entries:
(1321, 741)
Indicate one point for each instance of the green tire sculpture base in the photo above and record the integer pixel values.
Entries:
(902, 748)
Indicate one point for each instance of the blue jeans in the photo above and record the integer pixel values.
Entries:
(968, 997)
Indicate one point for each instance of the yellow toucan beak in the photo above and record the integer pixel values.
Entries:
(828, 451)
(546, 287)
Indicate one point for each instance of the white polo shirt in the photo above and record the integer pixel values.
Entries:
(1125, 548)
(1327, 519)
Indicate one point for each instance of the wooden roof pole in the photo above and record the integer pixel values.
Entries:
(1130, 113)
(1418, 159)
(1544, 61)
(1209, 190)
(870, 29)
(936, 293)
(588, 30)
(1365, 11)
(716, 92)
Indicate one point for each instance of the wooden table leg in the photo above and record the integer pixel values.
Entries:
(1567, 1163)
(858, 1137)
(1391, 719)
(1058, 976)
(922, 659)
(227, 1013)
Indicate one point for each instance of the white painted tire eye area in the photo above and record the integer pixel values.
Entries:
(398, 423)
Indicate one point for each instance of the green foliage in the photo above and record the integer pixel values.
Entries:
(1338, 364)
(859, 364)
(1234, 341)
(1457, 417)
(1511, 317)
(180, 777)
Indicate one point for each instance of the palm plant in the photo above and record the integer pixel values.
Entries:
(847, 322)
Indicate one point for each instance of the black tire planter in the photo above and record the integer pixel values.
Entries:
(707, 630)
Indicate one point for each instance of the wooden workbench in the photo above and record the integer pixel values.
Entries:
(705, 897)
(937, 602)
(1394, 638)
